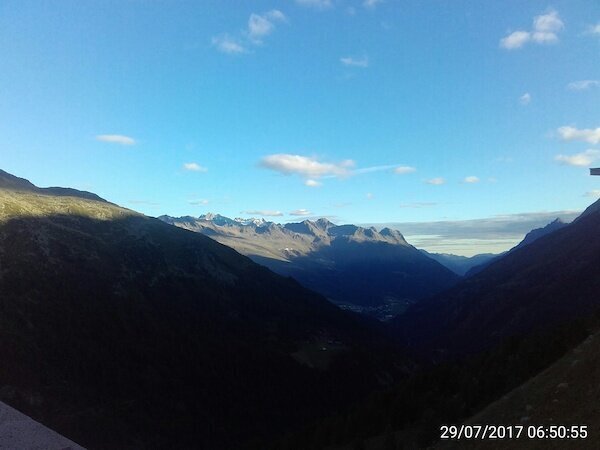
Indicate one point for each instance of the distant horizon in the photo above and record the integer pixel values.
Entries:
(468, 238)
(367, 112)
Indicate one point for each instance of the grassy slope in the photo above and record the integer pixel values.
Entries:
(567, 393)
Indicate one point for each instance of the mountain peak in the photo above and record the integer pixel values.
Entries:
(324, 223)
(593, 208)
(217, 219)
(14, 183)
(9, 181)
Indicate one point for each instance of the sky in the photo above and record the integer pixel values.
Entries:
(362, 111)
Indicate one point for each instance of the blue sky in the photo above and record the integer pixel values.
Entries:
(363, 111)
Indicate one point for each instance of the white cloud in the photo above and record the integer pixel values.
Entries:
(595, 193)
(549, 22)
(582, 85)
(312, 169)
(263, 212)
(471, 179)
(373, 169)
(436, 181)
(194, 167)
(403, 170)
(515, 39)
(228, 44)
(546, 26)
(582, 159)
(260, 26)
(589, 135)
(317, 4)
(312, 183)
(350, 61)
(370, 196)
(525, 99)
(544, 31)
(308, 167)
(371, 3)
(116, 139)
(200, 202)
(300, 212)
(594, 29)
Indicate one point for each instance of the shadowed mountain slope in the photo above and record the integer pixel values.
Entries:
(482, 339)
(348, 264)
(529, 238)
(120, 331)
(460, 265)
(566, 393)
(550, 281)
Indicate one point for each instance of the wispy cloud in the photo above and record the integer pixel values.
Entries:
(403, 170)
(261, 25)
(228, 44)
(525, 99)
(417, 205)
(544, 31)
(199, 202)
(589, 135)
(594, 193)
(372, 169)
(370, 4)
(313, 169)
(594, 29)
(116, 139)
(316, 4)
(436, 181)
(194, 167)
(258, 28)
(471, 179)
(349, 61)
(263, 212)
(582, 159)
(583, 85)
(370, 196)
(312, 183)
(309, 167)
(300, 212)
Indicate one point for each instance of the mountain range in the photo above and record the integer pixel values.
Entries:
(543, 283)
(483, 338)
(121, 331)
(459, 264)
(355, 267)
